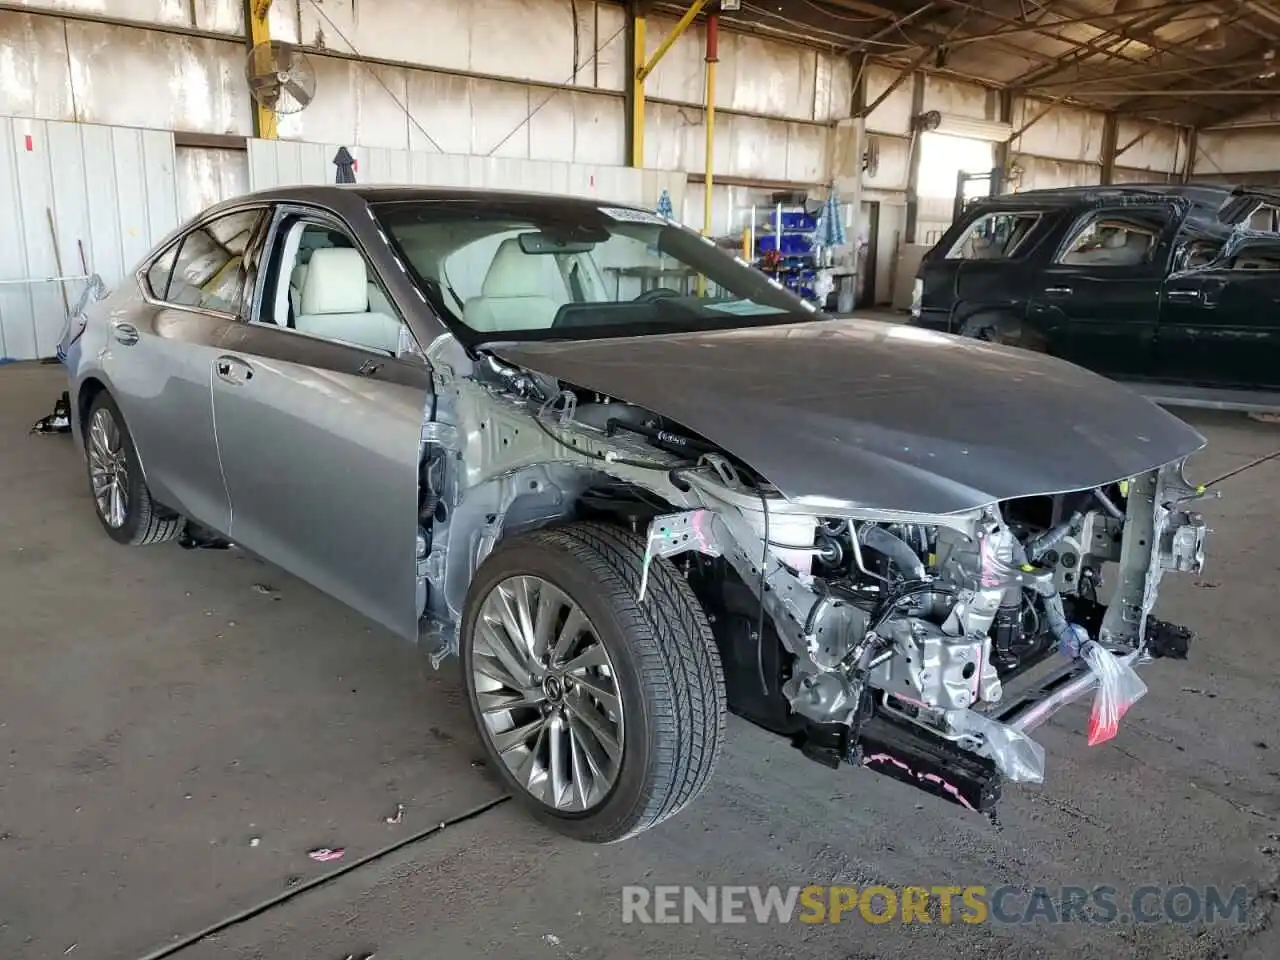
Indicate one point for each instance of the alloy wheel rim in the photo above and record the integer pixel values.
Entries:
(108, 468)
(547, 692)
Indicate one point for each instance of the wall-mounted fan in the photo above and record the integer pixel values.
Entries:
(280, 77)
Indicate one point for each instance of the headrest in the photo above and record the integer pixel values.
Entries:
(298, 277)
(514, 273)
(335, 283)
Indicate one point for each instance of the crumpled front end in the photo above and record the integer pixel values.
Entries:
(930, 648)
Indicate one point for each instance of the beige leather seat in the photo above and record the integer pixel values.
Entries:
(515, 294)
(335, 302)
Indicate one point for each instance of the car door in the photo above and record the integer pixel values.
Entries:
(1220, 325)
(319, 433)
(162, 352)
(1097, 302)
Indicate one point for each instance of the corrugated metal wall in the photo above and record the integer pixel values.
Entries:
(278, 163)
(110, 190)
(1253, 151)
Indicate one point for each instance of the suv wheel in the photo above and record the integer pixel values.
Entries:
(1006, 330)
(120, 495)
(603, 714)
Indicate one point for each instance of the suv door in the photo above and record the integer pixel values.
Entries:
(979, 268)
(162, 350)
(1220, 325)
(319, 400)
(1097, 302)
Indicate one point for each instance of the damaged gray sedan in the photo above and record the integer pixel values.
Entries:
(633, 483)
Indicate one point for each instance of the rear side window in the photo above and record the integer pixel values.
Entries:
(1256, 258)
(1198, 253)
(994, 236)
(1109, 239)
(210, 271)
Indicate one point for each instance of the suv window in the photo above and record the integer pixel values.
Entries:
(209, 272)
(1256, 258)
(1197, 253)
(1113, 240)
(993, 236)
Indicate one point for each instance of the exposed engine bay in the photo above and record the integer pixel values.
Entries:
(926, 647)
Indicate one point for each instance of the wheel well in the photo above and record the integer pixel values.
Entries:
(84, 399)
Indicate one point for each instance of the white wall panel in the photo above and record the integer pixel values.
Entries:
(755, 75)
(957, 98)
(110, 190)
(893, 164)
(1038, 173)
(833, 89)
(177, 12)
(35, 77)
(1064, 133)
(520, 39)
(675, 139)
(1161, 148)
(352, 106)
(894, 115)
(206, 176)
(1138, 175)
(121, 76)
(1242, 150)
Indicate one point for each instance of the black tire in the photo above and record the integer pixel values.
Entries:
(666, 664)
(1002, 329)
(145, 521)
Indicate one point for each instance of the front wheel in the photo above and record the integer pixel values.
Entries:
(602, 713)
(1008, 331)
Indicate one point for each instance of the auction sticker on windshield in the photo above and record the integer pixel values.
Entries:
(627, 215)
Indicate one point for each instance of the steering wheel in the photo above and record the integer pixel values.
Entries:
(657, 293)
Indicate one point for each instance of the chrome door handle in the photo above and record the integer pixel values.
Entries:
(1058, 291)
(125, 333)
(1182, 294)
(233, 370)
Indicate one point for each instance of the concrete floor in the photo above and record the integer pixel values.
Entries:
(158, 713)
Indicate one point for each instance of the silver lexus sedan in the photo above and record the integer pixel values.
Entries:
(632, 482)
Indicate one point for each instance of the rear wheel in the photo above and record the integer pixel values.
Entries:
(120, 495)
(603, 714)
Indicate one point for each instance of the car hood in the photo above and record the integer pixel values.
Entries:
(883, 416)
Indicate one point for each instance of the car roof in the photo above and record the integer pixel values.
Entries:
(1198, 194)
(345, 196)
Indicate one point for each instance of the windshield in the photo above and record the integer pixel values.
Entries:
(543, 269)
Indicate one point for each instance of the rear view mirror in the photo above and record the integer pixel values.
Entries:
(539, 243)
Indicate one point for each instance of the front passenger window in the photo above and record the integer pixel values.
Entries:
(325, 288)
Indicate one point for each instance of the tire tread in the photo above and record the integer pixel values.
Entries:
(677, 662)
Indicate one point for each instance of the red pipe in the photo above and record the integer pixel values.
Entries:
(713, 38)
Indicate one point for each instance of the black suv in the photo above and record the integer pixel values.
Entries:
(1158, 283)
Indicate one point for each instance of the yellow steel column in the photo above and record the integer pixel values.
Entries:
(637, 94)
(713, 57)
(642, 73)
(264, 119)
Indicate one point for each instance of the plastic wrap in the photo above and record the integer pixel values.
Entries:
(1016, 755)
(1119, 688)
